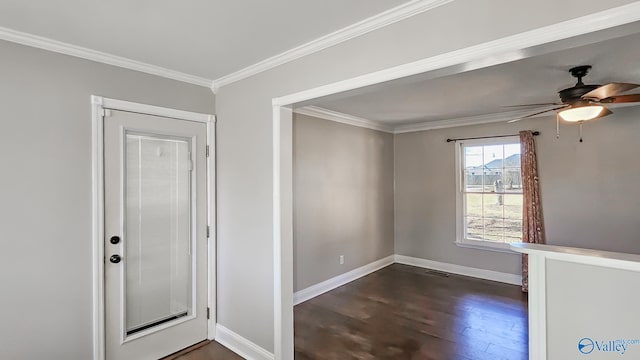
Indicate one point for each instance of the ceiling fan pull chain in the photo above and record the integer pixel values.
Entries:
(557, 125)
(581, 131)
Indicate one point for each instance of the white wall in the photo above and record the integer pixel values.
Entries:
(245, 198)
(595, 302)
(45, 192)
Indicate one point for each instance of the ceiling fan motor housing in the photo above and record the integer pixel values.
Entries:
(574, 94)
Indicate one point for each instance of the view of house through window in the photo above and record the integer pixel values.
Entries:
(492, 190)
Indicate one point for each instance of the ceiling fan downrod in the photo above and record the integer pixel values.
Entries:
(579, 72)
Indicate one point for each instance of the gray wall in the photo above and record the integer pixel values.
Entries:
(48, 218)
(245, 199)
(590, 193)
(342, 198)
(45, 201)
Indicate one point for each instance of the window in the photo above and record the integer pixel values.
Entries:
(489, 197)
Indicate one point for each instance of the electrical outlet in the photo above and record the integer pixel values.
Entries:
(341, 259)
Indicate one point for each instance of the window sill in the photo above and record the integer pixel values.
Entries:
(485, 245)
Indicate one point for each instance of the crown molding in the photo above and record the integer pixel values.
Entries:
(467, 121)
(500, 51)
(98, 56)
(365, 26)
(331, 115)
(326, 114)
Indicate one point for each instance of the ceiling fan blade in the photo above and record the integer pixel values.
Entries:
(538, 113)
(606, 112)
(609, 90)
(541, 104)
(621, 99)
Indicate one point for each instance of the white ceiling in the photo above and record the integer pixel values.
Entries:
(486, 91)
(206, 38)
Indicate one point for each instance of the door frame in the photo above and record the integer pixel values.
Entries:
(503, 50)
(100, 107)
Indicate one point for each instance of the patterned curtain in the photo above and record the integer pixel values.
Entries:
(532, 223)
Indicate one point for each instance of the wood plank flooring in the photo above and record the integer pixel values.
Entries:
(404, 312)
(211, 351)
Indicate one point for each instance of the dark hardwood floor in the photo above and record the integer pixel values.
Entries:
(211, 351)
(404, 312)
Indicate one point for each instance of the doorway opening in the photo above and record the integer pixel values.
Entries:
(582, 31)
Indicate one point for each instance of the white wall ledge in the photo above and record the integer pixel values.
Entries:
(541, 274)
(609, 259)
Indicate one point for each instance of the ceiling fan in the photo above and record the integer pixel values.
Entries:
(584, 102)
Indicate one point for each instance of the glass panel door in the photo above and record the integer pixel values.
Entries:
(158, 230)
(155, 229)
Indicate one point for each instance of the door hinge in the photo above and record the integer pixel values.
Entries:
(208, 313)
(207, 150)
(208, 231)
(106, 112)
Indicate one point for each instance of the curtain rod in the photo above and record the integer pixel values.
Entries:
(535, 133)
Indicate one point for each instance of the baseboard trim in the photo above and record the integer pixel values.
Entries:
(330, 284)
(241, 345)
(460, 270)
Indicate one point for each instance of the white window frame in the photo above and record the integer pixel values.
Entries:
(461, 241)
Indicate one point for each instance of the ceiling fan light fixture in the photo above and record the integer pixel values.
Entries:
(582, 113)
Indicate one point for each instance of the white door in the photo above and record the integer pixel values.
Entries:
(155, 235)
